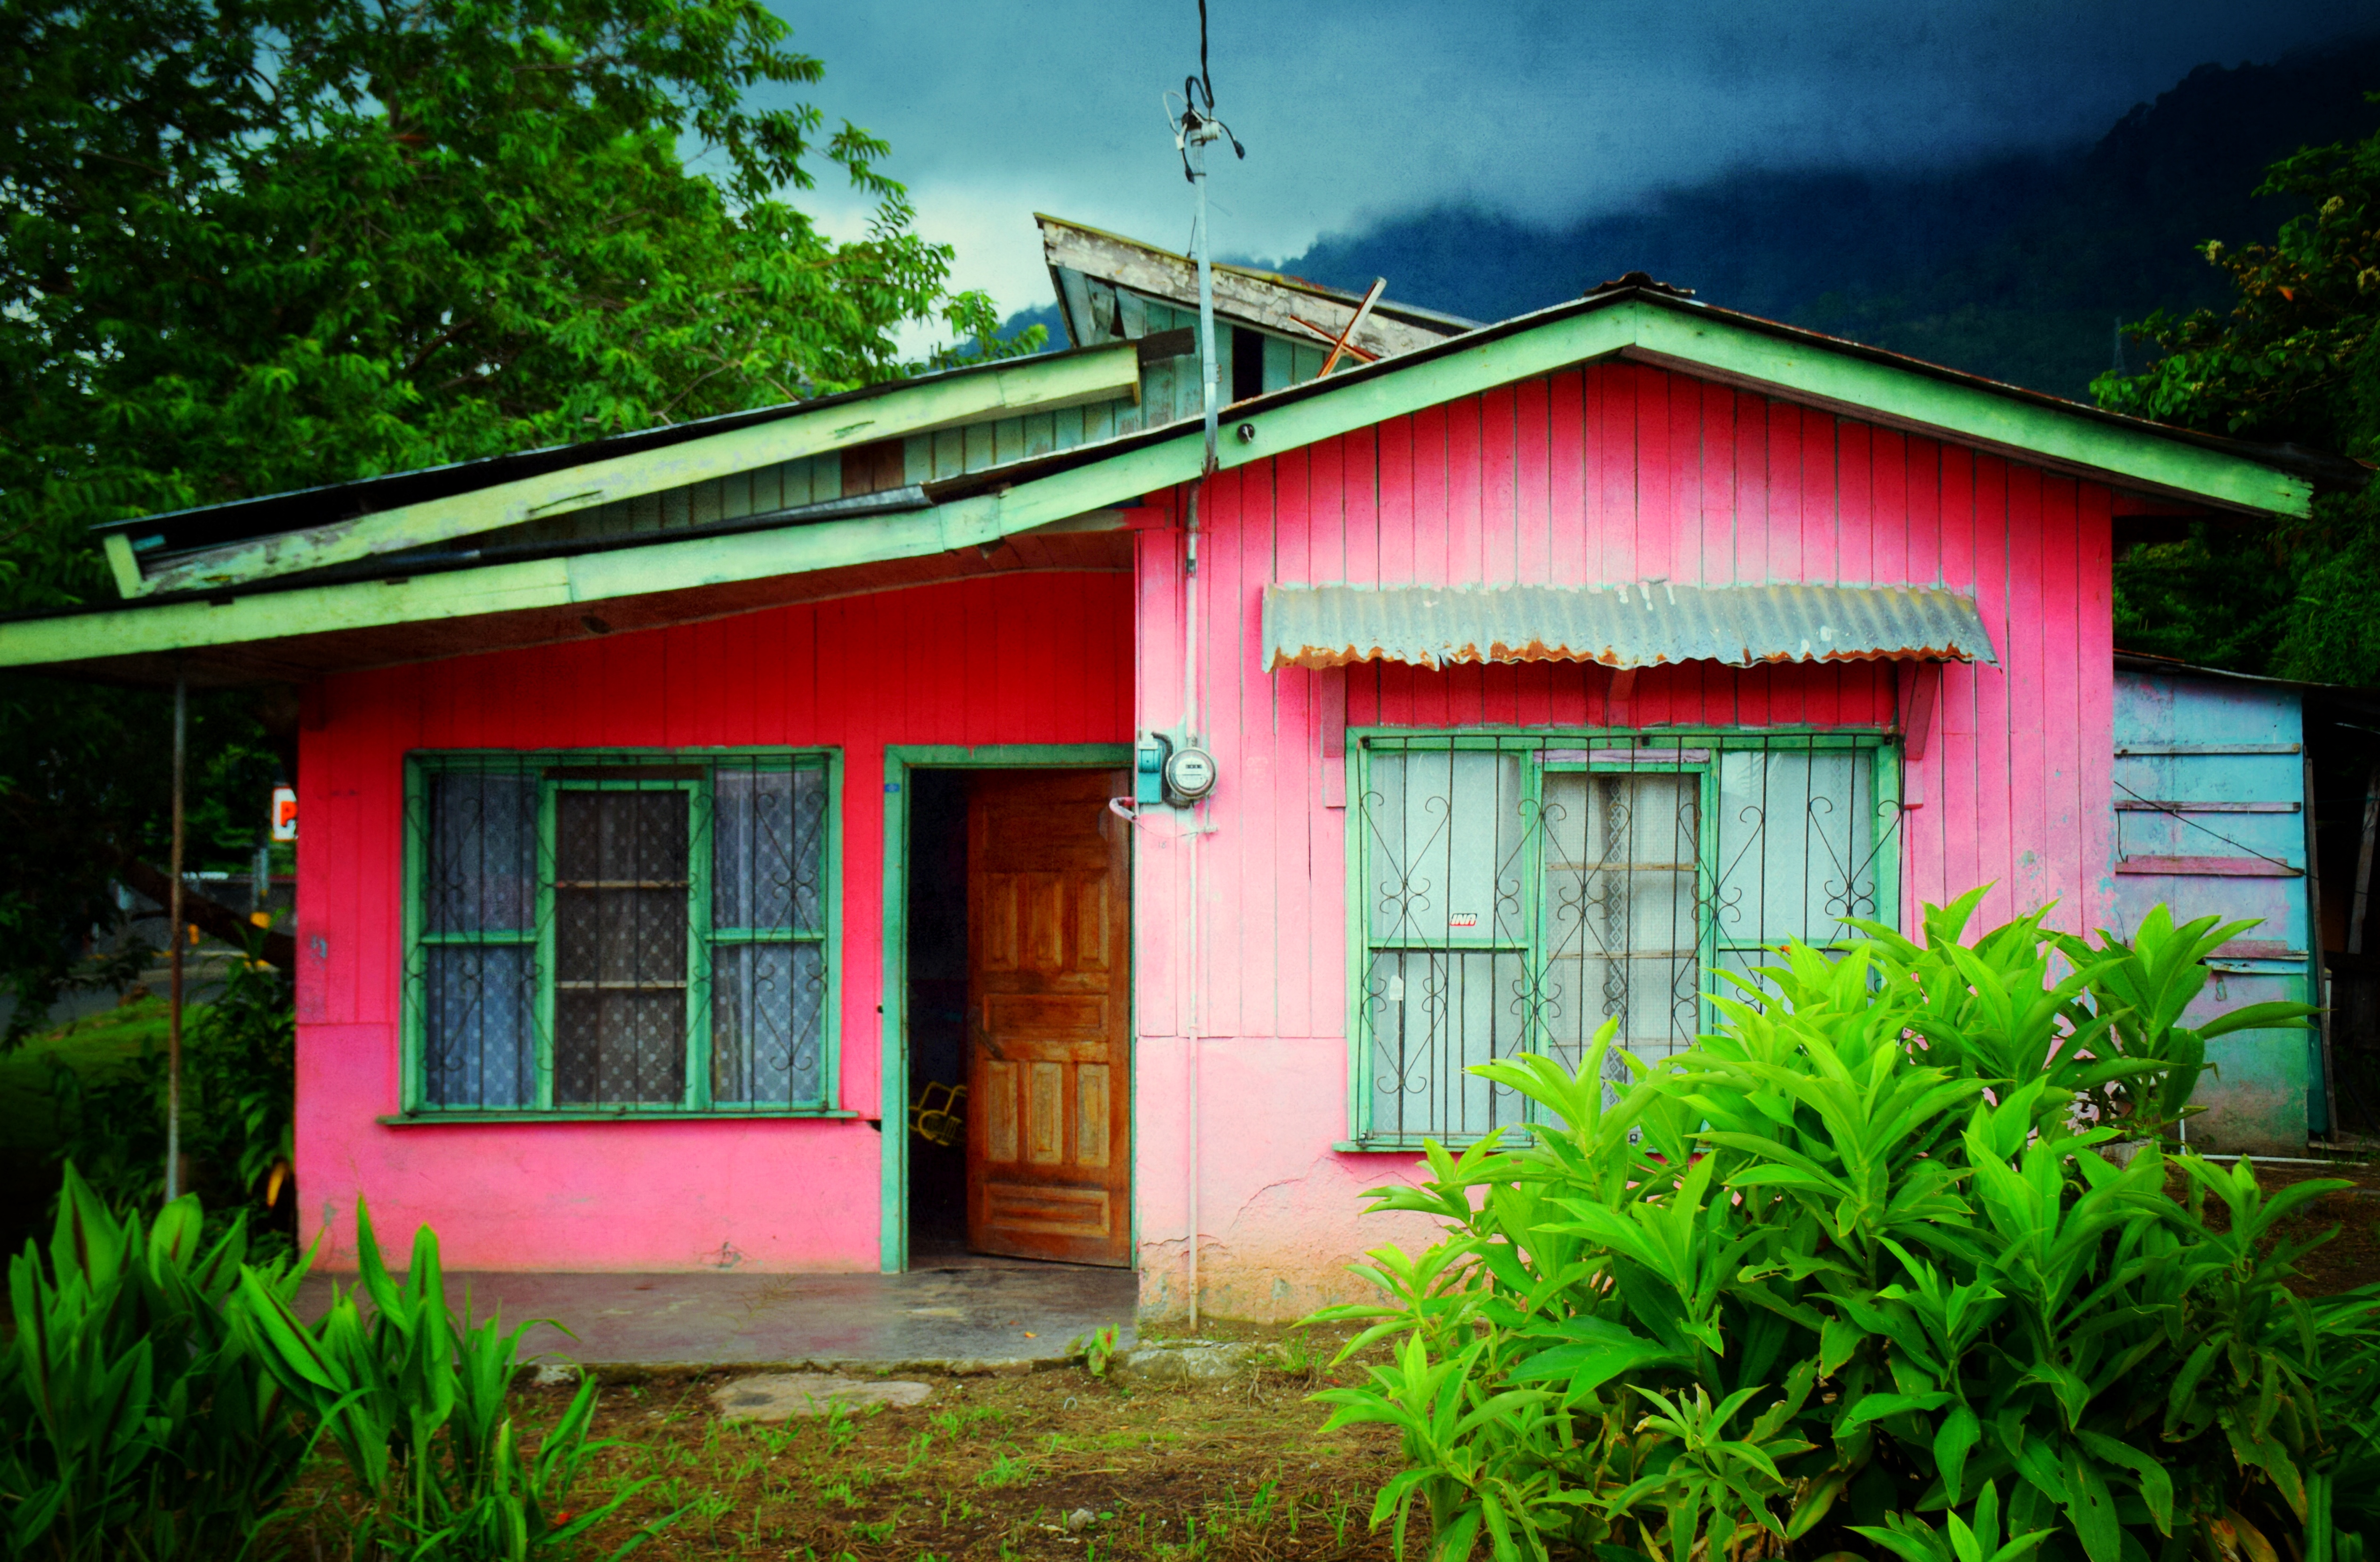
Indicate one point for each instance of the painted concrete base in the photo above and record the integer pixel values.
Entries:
(1014, 1318)
(2257, 1102)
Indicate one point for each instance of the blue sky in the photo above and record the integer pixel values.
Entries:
(1349, 110)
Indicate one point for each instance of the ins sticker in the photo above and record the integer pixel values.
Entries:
(1463, 918)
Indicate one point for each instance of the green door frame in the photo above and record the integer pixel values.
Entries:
(893, 1199)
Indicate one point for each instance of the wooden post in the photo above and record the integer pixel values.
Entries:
(1916, 688)
(2364, 863)
(174, 938)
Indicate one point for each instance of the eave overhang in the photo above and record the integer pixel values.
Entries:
(605, 472)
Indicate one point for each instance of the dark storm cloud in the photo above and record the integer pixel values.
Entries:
(1545, 111)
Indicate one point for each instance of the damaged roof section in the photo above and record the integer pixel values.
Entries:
(839, 446)
(1137, 369)
(1105, 283)
(1646, 624)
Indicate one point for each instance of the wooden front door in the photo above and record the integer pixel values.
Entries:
(1049, 1016)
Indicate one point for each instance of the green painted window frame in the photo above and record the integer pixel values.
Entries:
(1883, 747)
(702, 938)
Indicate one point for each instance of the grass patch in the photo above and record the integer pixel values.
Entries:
(1056, 1464)
(94, 1046)
(95, 1043)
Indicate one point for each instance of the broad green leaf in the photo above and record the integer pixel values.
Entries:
(1958, 1433)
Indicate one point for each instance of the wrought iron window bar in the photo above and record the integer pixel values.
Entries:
(631, 933)
(1511, 891)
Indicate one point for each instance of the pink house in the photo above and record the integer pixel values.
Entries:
(687, 815)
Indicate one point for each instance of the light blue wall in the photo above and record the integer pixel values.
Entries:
(2184, 740)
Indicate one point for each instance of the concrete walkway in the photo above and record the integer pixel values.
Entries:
(989, 1315)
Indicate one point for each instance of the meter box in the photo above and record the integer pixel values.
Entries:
(1149, 768)
(1189, 776)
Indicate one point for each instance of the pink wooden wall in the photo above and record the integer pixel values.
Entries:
(1009, 659)
(1617, 473)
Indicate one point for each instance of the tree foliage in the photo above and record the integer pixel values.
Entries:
(2296, 360)
(263, 244)
(258, 245)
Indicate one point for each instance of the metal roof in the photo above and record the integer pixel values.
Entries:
(2327, 472)
(270, 514)
(267, 514)
(1645, 625)
(2363, 698)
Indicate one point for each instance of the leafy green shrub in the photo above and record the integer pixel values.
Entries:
(134, 1419)
(419, 1411)
(238, 1106)
(244, 1065)
(1849, 1277)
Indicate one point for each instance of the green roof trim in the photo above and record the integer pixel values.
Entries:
(501, 588)
(1005, 501)
(1968, 411)
(1030, 385)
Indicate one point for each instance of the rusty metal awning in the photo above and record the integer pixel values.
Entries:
(1648, 624)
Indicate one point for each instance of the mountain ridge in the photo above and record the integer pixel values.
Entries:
(2015, 266)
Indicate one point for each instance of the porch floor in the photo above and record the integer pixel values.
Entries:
(975, 1315)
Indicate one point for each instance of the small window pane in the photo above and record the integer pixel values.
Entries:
(620, 946)
(481, 861)
(1622, 928)
(1443, 834)
(768, 1015)
(619, 1049)
(1432, 1015)
(1796, 843)
(769, 848)
(479, 1024)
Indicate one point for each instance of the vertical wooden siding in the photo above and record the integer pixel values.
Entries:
(2268, 1096)
(1623, 472)
(1617, 472)
(1006, 659)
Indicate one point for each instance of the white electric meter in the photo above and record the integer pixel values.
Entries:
(1189, 774)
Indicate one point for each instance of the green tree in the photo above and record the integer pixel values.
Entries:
(258, 245)
(2295, 360)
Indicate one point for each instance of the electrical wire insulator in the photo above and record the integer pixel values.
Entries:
(1195, 89)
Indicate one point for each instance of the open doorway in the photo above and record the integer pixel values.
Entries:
(1018, 1012)
(936, 1005)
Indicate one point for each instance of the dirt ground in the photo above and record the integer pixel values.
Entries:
(2350, 1258)
(1053, 1464)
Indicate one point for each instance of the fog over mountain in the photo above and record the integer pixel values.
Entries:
(2016, 265)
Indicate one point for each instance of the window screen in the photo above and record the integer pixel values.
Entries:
(598, 935)
(1517, 893)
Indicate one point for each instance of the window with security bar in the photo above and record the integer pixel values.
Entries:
(597, 934)
(1515, 893)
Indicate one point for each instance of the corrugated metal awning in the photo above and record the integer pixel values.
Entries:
(1624, 626)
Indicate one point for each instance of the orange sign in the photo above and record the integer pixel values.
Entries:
(285, 813)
